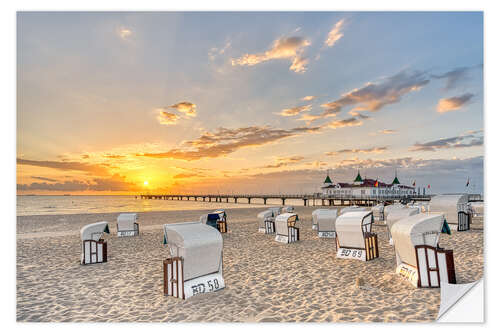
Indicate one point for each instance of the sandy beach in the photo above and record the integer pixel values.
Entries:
(266, 281)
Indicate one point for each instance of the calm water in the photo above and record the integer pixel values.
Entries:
(49, 205)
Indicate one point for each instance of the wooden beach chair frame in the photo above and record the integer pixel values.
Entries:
(293, 234)
(95, 251)
(370, 241)
(464, 220)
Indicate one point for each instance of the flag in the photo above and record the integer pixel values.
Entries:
(467, 182)
(429, 186)
(376, 183)
(414, 182)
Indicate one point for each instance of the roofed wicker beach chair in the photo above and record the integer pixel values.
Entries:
(126, 225)
(266, 220)
(286, 231)
(195, 262)
(325, 220)
(419, 258)
(94, 248)
(398, 214)
(216, 219)
(456, 210)
(355, 239)
(315, 217)
(353, 209)
(378, 212)
(388, 208)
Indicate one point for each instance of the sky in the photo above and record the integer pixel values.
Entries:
(254, 102)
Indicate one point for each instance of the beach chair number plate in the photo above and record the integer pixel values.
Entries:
(126, 233)
(314, 227)
(351, 254)
(408, 273)
(281, 238)
(326, 234)
(203, 284)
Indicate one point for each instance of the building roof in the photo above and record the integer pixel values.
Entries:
(396, 180)
(358, 178)
(328, 180)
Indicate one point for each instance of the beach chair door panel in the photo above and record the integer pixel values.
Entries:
(463, 221)
(427, 267)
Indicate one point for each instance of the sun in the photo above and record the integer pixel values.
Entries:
(146, 183)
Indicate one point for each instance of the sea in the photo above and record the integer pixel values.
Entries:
(85, 204)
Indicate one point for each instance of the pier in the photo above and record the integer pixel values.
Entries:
(308, 199)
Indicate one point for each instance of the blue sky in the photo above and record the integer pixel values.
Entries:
(123, 98)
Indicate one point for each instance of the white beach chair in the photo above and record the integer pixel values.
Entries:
(389, 208)
(315, 217)
(419, 258)
(195, 265)
(477, 209)
(378, 212)
(126, 225)
(398, 214)
(456, 210)
(266, 220)
(286, 209)
(286, 232)
(216, 219)
(326, 223)
(355, 239)
(94, 248)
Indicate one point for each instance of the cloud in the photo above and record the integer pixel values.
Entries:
(461, 141)
(387, 131)
(166, 118)
(124, 33)
(85, 156)
(114, 183)
(374, 96)
(295, 111)
(188, 108)
(349, 122)
(308, 98)
(95, 169)
(455, 76)
(335, 34)
(186, 175)
(44, 178)
(214, 51)
(114, 156)
(290, 48)
(453, 103)
(375, 150)
(224, 141)
(284, 161)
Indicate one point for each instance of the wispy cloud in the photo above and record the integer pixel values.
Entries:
(308, 98)
(375, 150)
(124, 33)
(295, 111)
(335, 34)
(460, 141)
(96, 169)
(387, 131)
(290, 48)
(455, 76)
(166, 118)
(284, 161)
(348, 122)
(44, 179)
(113, 183)
(453, 103)
(224, 141)
(214, 51)
(373, 96)
(187, 108)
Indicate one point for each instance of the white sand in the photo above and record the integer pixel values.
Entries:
(265, 280)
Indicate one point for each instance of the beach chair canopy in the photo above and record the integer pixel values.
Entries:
(378, 209)
(94, 231)
(275, 210)
(263, 216)
(449, 205)
(318, 211)
(419, 229)
(389, 208)
(283, 221)
(126, 221)
(326, 219)
(353, 209)
(350, 226)
(287, 209)
(398, 214)
(221, 213)
(199, 244)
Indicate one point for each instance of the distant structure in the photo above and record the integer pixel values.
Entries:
(366, 187)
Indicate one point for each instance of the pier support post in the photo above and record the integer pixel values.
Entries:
(322, 202)
(305, 202)
(235, 200)
(283, 201)
(265, 201)
(227, 199)
(249, 199)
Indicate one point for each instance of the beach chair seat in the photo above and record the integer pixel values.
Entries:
(195, 262)
(419, 259)
(326, 223)
(286, 231)
(94, 248)
(355, 239)
(126, 225)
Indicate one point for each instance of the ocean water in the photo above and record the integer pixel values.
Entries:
(82, 204)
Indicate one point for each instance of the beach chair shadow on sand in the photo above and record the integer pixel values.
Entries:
(195, 263)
